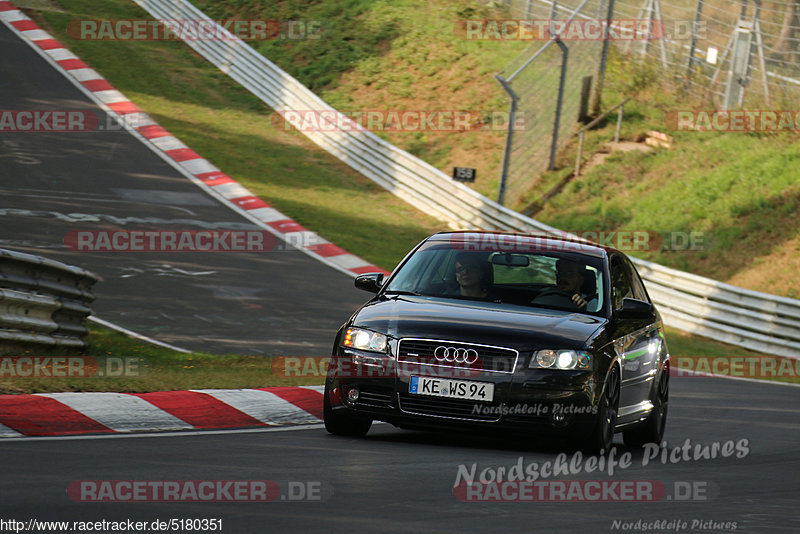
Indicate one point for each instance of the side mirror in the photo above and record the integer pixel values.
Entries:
(635, 309)
(371, 282)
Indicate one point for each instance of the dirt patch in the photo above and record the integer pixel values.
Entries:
(599, 157)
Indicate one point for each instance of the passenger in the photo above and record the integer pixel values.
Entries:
(474, 276)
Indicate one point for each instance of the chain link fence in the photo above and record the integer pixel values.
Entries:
(548, 81)
(730, 53)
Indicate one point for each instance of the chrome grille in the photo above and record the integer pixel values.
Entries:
(490, 358)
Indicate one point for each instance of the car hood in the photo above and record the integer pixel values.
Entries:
(506, 325)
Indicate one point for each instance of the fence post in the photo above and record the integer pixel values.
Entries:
(562, 82)
(597, 98)
(760, 44)
(663, 38)
(509, 136)
(693, 45)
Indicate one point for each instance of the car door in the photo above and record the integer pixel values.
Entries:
(636, 340)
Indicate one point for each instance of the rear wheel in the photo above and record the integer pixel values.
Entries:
(340, 424)
(602, 435)
(652, 429)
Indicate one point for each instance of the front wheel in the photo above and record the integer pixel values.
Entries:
(602, 435)
(652, 430)
(340, 424)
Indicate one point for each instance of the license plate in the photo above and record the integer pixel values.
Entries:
(454, 389)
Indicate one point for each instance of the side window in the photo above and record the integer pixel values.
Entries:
(636, 283)
(620, 283)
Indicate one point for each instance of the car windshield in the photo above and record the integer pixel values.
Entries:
(551, 279)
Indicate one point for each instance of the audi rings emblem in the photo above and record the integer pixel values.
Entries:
(455, 355)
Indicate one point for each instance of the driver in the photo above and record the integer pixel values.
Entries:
(570, 277)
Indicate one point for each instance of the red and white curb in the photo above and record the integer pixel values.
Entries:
(176, 153)
(58, 414)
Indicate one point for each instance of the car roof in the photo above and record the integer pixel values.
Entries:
(518, 242)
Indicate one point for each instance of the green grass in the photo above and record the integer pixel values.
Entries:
(145, 367)
(404, 55)
(398, 55)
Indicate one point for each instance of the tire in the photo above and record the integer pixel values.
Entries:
(602, 435)
(340, 424)
(652, 429)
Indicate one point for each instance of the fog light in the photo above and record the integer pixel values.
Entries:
(352, 394)
(559, 417)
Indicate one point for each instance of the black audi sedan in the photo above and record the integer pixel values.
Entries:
(524, 333)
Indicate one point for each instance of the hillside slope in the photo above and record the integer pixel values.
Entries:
(737, 191)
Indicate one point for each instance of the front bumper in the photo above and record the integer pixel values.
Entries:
(525, 400)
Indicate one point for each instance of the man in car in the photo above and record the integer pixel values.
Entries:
(570, 277)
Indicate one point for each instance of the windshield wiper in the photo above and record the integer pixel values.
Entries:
(401, 292)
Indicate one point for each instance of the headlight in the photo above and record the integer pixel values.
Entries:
(356, 338)
(560, 359)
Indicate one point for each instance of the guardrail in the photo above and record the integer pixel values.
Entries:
(758, 321)
(42, 302)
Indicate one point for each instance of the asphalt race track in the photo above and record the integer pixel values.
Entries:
(52, 183)
(402, 481)
(287, 303)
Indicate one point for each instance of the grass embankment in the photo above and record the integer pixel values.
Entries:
(115, 362)
(231, 128)
(740, 190)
